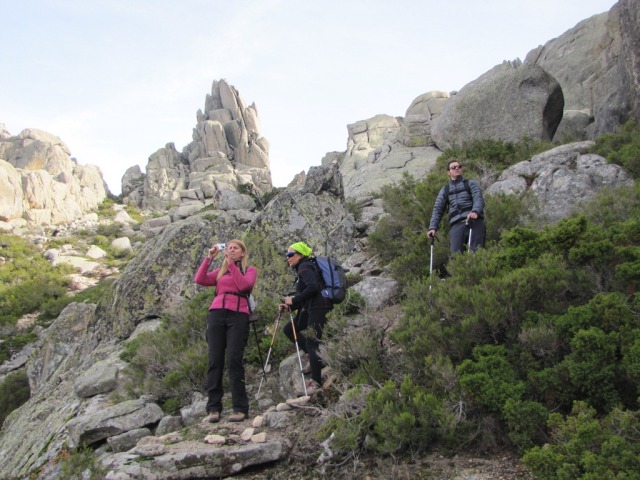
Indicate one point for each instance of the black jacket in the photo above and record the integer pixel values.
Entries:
(308, 287)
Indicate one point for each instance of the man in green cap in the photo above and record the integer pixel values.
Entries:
(311, 306)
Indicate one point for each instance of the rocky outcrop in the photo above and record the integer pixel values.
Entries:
(36, 432)
(596, 63)
(561, 179)
(190, 459)
(227, 151)
(630, 32)
(39, 181)
(509, 102)
(314, 213)
(381, 149)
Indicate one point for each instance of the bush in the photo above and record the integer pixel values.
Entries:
(80, 463)
(27, 280)
(14, 392)
(498, 154)
(171, 362)
(358, 353)
(51, 308)
(111, 231)
(585, 448)
(14, 343)
(593, 366)
(402, 417)
(396, 419)
(526, 420)
(352, 304)
(489, 379)
(622, 148)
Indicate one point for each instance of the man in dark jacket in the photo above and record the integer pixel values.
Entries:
(463, 199)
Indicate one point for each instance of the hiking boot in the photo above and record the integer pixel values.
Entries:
(313, 387)
(213, 417)
(238, 417)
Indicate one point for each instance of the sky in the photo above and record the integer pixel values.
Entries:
(118, 79)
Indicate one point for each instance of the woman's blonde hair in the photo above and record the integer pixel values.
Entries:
(245, 259)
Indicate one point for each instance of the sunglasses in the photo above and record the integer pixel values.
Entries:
(290, 254)
(455, 167)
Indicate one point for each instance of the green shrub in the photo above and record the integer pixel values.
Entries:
(585, 448)
(394, 419)
(358, 353)
(14, 392)
(101, 241)
(170, 362)
(489, 379)
(27, 280)
(622, 148)
(134, 213)
(496, 153)
(354, 207)
(593, 367)
(630, 363)
(352, 304)
(613, 205)
(80, 463)
(14, 343)
(51, 308)
(268, 196)
(526, 421)
(111, 231)
(400, 417)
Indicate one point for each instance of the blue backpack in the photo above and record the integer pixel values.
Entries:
(334, 277)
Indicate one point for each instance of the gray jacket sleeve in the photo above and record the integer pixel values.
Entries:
(476, 195)
(438, 210)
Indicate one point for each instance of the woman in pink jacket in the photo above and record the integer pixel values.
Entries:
(227, 326)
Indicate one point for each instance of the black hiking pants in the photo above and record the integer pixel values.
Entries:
(227, 332)
(310, 343)
(459, 235)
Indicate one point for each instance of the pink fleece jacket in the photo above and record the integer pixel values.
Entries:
(232, 281)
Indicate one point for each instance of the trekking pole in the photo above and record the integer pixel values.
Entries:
(431, 263)
(295, 339)
(273, 337)
(255, 334)
(470, 231)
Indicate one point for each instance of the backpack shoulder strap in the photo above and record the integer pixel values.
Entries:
(466, 187)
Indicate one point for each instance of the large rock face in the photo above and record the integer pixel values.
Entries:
(39, 181)
(561, 179)
(597, 64)
(227, 151)
(630, 32)
(509, 102)
(381, 149)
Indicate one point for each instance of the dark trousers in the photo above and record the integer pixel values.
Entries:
(459, 235)
(310, 343)
(228, 331)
